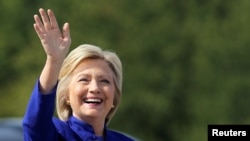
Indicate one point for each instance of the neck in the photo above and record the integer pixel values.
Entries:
(97, 126)
(96, 123)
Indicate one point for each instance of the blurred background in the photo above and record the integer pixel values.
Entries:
(186, 62)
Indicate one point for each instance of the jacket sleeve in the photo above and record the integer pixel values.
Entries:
(37, 121)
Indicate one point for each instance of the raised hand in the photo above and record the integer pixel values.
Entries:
(55, 43)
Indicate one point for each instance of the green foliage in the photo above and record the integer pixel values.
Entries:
(186, 63)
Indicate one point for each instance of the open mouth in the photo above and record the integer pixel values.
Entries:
(92, 100)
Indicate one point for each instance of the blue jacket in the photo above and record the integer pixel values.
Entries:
(40, 125)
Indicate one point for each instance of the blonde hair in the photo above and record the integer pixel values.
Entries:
(77, 55)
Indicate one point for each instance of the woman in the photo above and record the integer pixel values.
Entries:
(86, 85)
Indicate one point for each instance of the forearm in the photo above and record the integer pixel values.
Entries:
(49, 76)
(37, 122)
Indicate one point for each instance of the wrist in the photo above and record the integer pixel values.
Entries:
(54, 61)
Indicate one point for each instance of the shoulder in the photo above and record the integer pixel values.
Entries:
(62, 127)
(117, 135)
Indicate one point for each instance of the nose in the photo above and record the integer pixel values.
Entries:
(94, 87)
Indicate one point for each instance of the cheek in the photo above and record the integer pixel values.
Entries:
(76, 92)
(110, 92)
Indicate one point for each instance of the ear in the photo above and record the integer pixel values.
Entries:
(67, 100)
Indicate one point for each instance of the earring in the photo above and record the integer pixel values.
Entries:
(67, 102)
(113, 106)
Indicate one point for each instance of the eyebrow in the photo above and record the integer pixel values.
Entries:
(80, 74)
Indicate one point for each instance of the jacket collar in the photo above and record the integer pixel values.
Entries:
(84, 130)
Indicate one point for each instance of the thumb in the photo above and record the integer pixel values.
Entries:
(66, 31)
(66, 34)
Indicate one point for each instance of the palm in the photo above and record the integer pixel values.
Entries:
(54, 42)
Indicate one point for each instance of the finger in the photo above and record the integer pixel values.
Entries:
(39, 23)
(39, 32)
(52, 18)
(45, 19)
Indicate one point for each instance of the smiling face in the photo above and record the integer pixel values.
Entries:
(91, 90)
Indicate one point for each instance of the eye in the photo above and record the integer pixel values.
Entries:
(83, 80)
(105, 81)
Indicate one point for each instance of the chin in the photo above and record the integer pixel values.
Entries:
(92, 113)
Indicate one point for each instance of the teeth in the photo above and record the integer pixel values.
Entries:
(92, 100)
